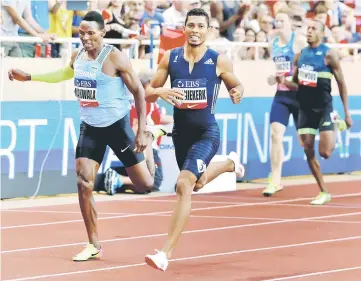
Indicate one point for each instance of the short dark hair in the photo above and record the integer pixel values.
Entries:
(198, 12)
(95, 16)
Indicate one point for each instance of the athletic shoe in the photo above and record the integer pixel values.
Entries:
(112, 181)
(238, 167)
(339, 123)
(322, 198)
(157, 261)
(272, 189)
(89, 252)
(157, 131)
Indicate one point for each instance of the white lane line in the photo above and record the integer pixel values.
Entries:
(190, 258)
(169, 212)
(185, 232)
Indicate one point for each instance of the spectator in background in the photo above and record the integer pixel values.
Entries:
(280, 7)
(321, 15)
(136, 6)
(335, 11)
(266, 25)
(214, 37)
(341, 35)
(114, 18)
(80, 8)
(61, 23)
(348, 23)
(205, 5)
(296, 9)
(297, 25)
(193, 4)
(264, 53)
(38, 16)
(257, 13)
(151, 21)
(247, 53)
(229, 14)
(175, 15)
(18, 13)
(132, 20)
(163, 5)
(150, 12)
(239, 34)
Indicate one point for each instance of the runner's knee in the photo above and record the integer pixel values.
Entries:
(276, 136)
(184, 188)
(326, 153)
(85, 177)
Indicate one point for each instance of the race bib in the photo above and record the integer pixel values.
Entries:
(307, 77)
(283, 65)
(86, 92)
(195, 93)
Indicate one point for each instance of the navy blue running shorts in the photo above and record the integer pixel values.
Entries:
(281, 110)
(195, 148)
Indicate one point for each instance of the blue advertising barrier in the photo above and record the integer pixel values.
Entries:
(29, 128)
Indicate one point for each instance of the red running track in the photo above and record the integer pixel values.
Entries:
(230, 236)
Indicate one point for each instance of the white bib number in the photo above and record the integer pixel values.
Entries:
(283, 67)
(307, 77)
(86, 92)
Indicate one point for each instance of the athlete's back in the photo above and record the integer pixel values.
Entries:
(201, 88)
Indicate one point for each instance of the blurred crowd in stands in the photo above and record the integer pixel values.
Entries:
(229, 21)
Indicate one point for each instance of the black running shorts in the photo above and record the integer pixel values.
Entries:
(119, 137)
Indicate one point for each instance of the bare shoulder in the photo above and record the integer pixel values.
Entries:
(73, 56)
(119, 60)
(332, 57)
(332, 54)
(116, 54)
(224, 63)
(75, 53)
(164, 62)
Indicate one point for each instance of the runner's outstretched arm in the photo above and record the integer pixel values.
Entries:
(56, 76)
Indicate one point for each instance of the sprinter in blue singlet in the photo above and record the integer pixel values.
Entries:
(196, 73)
(101, 74)
(315, 67)
(284, 48)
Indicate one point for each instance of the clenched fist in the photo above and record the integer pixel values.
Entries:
(17, 74)
(235, 95)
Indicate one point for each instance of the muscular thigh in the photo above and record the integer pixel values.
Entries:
(91, 143)
(122, 142)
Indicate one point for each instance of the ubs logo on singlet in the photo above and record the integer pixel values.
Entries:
(195, 93)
